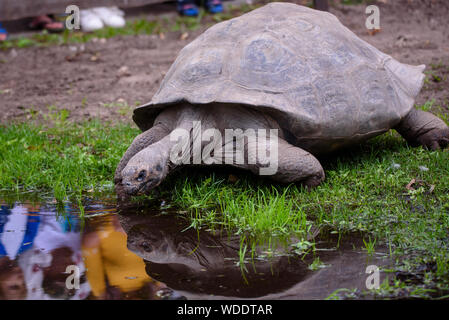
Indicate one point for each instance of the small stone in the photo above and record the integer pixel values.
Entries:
(184, 36)
(123, 71)
(13, 53)
(423, 168)
(395, 165)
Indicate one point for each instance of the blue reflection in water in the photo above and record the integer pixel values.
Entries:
(46, 255)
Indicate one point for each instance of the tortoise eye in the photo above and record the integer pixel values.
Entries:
(141, 176)
(146, 246)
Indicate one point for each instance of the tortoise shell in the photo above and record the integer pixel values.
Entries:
(312, 74)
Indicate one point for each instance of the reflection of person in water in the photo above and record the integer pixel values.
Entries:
(18, 229)
(56, 246)
(12, 283)
(113, 271)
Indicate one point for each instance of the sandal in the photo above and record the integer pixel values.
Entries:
(214, 6)
(47, 23)
(3, 34)
(187, 8)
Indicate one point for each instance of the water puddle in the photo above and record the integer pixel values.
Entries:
(49, 252)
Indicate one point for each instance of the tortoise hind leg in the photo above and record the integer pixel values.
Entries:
(425, 129)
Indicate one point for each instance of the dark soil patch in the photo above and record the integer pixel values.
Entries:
(107, 79)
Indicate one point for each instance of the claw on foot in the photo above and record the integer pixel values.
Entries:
(313, 181)
(435, 139)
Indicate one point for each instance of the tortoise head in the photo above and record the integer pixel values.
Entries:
(144, 171)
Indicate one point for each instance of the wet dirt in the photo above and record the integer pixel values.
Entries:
(411, 31)
(156, 256)
(100, 77)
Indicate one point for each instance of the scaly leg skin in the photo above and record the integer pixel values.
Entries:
(292, 164)
(298, 165)
(425, 129)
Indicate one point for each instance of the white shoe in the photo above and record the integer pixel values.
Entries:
(111, 16)
(90, 21)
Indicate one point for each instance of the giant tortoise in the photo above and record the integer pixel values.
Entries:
(285, 69)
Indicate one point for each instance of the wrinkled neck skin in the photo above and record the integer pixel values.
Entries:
(150, 166)
(153, 161)
(157, 153)
(183, 145)
(180, 120)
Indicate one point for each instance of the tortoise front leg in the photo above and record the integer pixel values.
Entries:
(297, 165)
(285, 162)
(425, 129)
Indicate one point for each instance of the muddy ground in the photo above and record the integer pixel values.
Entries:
(107, 79)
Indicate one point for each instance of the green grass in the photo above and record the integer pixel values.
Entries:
(354, 2)
(317, 264)
(67, 158)
(44, 38)
(364, 191)
(241, 208)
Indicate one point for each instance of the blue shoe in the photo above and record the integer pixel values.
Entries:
(187, 9)
(214, 6)
(3, 33)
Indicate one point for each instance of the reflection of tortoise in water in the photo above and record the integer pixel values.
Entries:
(205, 262)
(284, 67)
